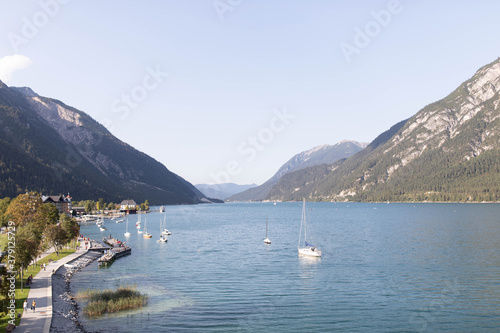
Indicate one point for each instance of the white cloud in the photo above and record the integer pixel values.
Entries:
(9, 64)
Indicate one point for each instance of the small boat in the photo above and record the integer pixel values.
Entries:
(162, 209)
(165, 231)
(307, 249)
(139, 230)
(267, 240)
(120, 220)
(163, 238)
(127, 234)
(100, 222)
(146, 233)
(102, 228)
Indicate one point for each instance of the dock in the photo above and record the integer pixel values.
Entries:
(116, 250)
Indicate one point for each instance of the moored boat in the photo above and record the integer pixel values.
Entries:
(306, 249)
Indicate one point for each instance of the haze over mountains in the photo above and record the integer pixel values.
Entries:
(448, 151)
(50, 147)
(222, 191)
(315, 156)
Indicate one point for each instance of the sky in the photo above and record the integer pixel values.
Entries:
(229, 90)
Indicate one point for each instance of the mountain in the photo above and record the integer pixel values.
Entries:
(448, 151)
(315, 156)
(50, 147)
(222, 191)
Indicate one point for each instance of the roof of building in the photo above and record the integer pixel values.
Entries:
(128, 203)
(55, 198)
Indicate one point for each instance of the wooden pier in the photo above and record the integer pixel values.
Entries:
(117, 249)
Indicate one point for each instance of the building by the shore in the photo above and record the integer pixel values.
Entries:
(62, 203)
(128, 206)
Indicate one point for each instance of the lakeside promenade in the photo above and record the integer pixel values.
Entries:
(41, 292)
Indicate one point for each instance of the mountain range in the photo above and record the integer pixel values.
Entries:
(315, 156)
(222, 191)
(448, 151)
(53, 148)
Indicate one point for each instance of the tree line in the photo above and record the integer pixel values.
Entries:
(32, 227)
(100, 205)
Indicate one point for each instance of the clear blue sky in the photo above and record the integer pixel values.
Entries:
(231, 66)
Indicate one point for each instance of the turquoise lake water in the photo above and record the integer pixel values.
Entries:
(385, 268)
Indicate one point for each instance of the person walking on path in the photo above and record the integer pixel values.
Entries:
(33, 305)
(25, 305)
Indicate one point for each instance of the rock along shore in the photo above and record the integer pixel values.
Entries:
(64, 307)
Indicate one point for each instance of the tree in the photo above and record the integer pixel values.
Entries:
(27, 246)
(101, 204)
(4, 204)
(89, 206)
(143, 206)
(26, 208)
(4, 289)
(55, 237)
(31, 217)
(111, 206)
(146, 204)
(52, 212)
(70, 227)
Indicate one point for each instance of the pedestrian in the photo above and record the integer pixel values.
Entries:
(25, 305)
(33, 305)
(53, 272)
(44, 266)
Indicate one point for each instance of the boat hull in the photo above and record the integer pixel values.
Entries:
(309, 252)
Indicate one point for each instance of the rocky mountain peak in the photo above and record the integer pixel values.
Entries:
(26, 91)
(437, 124)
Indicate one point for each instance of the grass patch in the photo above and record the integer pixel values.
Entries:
(108, 301)
(21, 296)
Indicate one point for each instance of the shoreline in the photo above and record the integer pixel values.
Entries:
(65, 317)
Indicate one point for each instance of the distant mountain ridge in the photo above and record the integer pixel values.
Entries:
(222, 191)
(448, 151)
(315, 156)
(51, 147)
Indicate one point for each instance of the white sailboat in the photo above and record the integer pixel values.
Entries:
(267, 240)
(138, 224)
(165, 231)
(163, 238)
(127, 234)
(100, 224)
(146, 233)
(306, 249)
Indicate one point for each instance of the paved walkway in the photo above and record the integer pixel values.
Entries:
(41, 292)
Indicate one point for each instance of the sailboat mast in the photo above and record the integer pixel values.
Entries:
(305, 222)
(266, 226)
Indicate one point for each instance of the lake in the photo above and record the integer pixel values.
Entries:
(385, 268)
